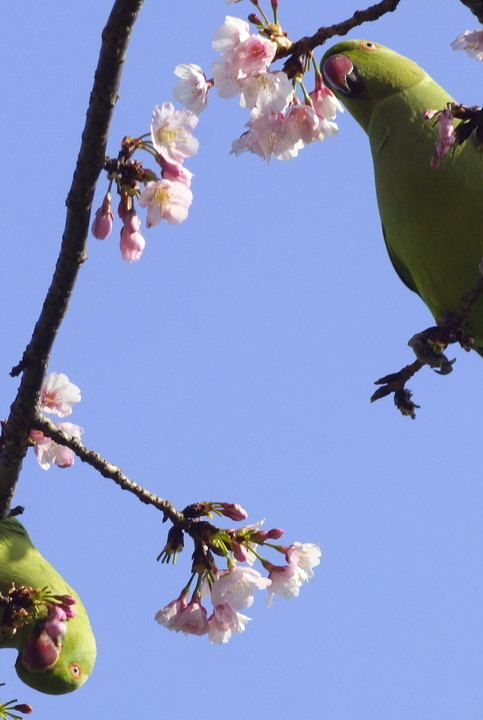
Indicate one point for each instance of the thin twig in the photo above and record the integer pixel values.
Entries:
(309, 43)
(108, 470)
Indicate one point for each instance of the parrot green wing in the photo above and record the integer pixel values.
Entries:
(432, 217)
(401, 270)
(50, 667)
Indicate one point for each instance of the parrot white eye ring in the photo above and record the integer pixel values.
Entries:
(75, 670)
(368, 45)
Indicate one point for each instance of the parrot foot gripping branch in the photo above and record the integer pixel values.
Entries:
(428, 346)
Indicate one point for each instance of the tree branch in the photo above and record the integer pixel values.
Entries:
(115, 39)
(476, 7)
(309, 43)
(107, 470)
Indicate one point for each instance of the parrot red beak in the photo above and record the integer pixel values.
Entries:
(41, 651)
(342, 76)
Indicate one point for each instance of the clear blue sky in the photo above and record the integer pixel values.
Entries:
(235, 362)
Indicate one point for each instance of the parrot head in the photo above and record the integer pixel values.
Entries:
(362, 73)
(56, 663)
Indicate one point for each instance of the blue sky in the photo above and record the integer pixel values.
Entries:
(235, 362)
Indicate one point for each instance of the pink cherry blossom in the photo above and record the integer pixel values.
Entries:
(302, 123)
(47, 451)
(169, 615)
(227, 79)
(229, 35)
(253, 55)
(192, 88)
(166, 200)
(131, 244)
(223, 622)
(193, 619)
(324, 101)
(472, 42)
(176, 172)
(446, 135)
(171, 132)
(58, 394)
(304, 557)
(272, 136)
(267, 91)
(236, 587)
(286, 582)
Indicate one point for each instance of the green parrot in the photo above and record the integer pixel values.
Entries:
(432, 218)
(50, 664)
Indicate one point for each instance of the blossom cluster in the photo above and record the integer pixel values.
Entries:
(167, 197)
(57, 397)
(232, 590)
(472, 42)
(279, 124)
(25, 604)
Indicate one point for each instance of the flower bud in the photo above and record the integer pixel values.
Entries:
(102, 225)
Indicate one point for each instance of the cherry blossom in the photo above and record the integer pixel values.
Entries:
(472, 42)
(193, 619)
(324, 101)
(304, 557)
(446, 135)
(192, 88)
(286, 582)
(171, 132)
(58, 394)
(229, 35)
(236, 587)
(253, 55)
(166, 200)
(223, 622)
(176, 172)
(48, 451)
(227, 79)
(169, 615)
(267, 91)
(303, 123)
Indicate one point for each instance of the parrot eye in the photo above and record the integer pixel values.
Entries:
(75, 670)
(367, 45)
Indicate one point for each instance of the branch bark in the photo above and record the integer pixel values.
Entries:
(115, 40)
(309, 43)
(476, 7)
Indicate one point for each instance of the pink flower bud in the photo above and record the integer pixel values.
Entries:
(23, 708)
(132, 222)
(102, 225)
(132, 245)
(275, 533)
(234, 511)
(240, 552)
(54, 628)
(66, 599)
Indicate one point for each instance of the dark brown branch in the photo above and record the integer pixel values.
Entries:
(476, 7)
(309, 43)
(115, 39)
(107, 470)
